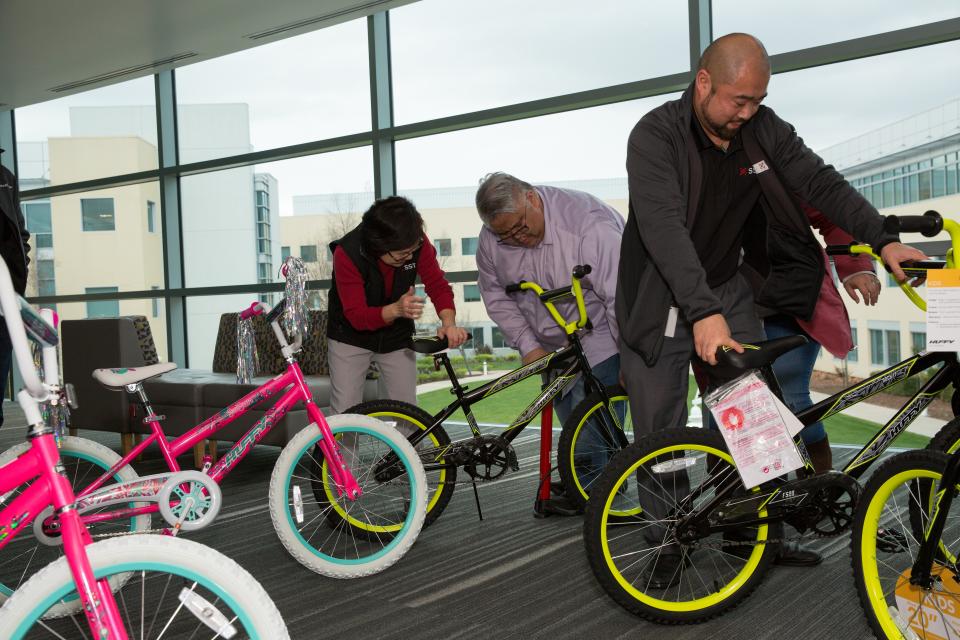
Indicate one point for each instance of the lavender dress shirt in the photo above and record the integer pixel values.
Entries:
(579, 229)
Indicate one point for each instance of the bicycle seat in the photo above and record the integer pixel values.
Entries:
(119, 378)
(429, 344)
(758, 355)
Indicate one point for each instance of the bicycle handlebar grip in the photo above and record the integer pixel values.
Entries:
(929, 224)
(582, 271)
(253, 310)
(514, 288)
(838, 249)
(276, 311)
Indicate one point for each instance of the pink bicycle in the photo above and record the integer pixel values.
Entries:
(164, 586)
(341, 520)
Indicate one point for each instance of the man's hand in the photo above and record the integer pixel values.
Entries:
(711, 333)
(534, 355)
(866, 284)
(455, 336)
(408, 306)
(895, 253)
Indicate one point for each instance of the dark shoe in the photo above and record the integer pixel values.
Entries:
(792, 554)
(556, 488)
(665, 573)
(558, 506)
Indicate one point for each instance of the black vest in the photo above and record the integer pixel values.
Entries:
(391, 337)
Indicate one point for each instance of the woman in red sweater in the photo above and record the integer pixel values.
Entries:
(373, 307)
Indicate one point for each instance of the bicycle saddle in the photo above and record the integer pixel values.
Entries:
(429, 345)
(758, 355)
(121, 377)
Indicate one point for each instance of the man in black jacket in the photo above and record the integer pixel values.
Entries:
(714, 179)
(15, 252)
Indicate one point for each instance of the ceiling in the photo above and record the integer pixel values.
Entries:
(52, 48)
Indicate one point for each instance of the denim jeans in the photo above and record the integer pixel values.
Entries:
(592, 451)
(793, 370)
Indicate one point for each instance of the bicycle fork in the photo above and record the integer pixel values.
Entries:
(342, 476)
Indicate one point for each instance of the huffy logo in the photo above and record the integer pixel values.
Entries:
(942, 341)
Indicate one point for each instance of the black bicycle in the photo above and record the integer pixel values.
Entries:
(589, 438)
(672, 534)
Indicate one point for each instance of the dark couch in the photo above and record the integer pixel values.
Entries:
(186, 396)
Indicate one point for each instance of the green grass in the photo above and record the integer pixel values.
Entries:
(504, 407)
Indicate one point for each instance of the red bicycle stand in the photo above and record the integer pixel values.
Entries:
(545, 506)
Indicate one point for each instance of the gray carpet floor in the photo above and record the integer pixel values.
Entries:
(507, 576)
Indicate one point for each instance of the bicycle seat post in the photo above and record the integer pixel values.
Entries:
(457, 389)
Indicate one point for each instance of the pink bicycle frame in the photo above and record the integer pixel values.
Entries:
(52, 488)
(299, 392)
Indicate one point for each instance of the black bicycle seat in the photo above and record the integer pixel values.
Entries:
(758, 355)
(429, 344)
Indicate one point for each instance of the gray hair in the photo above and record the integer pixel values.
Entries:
(498, 193)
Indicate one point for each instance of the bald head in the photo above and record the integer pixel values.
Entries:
(729, 56)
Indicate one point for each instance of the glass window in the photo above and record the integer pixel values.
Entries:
(155, 304)
(151, 212)
(878, 110)
(939, 182)
(308, 252)
(508, 52)
(926, 191)
(284, 253)
(918, 341)
(127, 257)
(876, 347)
(498, 341)
(443, 246)
(893, 347)
(786, 26)
(39, 223)
(94, 134)
(951, 179)
(313, 200)
(471, 293)
(854, 355)
(102, 308)
(468, 246)
(97, 214)
(307, 87)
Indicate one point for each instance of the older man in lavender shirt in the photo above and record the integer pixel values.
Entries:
(539, 234)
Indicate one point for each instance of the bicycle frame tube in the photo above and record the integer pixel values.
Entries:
(52, 488)
(920, 574)
(467, 399)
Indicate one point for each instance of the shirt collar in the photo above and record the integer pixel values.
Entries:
(549, 229)
(704, 141)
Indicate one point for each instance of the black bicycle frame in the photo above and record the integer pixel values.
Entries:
(948, 373)
(570, 360)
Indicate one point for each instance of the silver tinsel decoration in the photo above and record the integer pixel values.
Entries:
(296, 320)
(247, 363)
(56, 416)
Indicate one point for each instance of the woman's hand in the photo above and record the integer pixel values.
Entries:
(455, 335)
(408, 306)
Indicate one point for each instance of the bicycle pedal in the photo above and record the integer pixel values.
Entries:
(512, 461)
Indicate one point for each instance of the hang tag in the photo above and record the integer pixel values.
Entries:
(671, 322)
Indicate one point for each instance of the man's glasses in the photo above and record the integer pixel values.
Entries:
(400, 256)
(516, 230)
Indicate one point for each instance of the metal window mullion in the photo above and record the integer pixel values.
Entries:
(171, 219)
(381, 105)
(700, 14)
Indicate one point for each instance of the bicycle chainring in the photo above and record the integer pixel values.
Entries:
(490, 458)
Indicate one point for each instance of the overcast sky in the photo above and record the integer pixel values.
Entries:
(453, 56)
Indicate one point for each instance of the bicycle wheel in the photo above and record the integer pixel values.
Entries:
(174, 588)
(645, 561)
(84, 461)
(408, 418)
(590, 437)
(947, 438)
(368, 534)
(895, 509)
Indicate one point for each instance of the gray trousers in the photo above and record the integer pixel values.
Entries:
(348, 370)
(658, 395)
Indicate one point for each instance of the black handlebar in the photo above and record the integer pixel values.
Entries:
(838, 249)
(929, 224)
(581, 271)
(515, 287)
